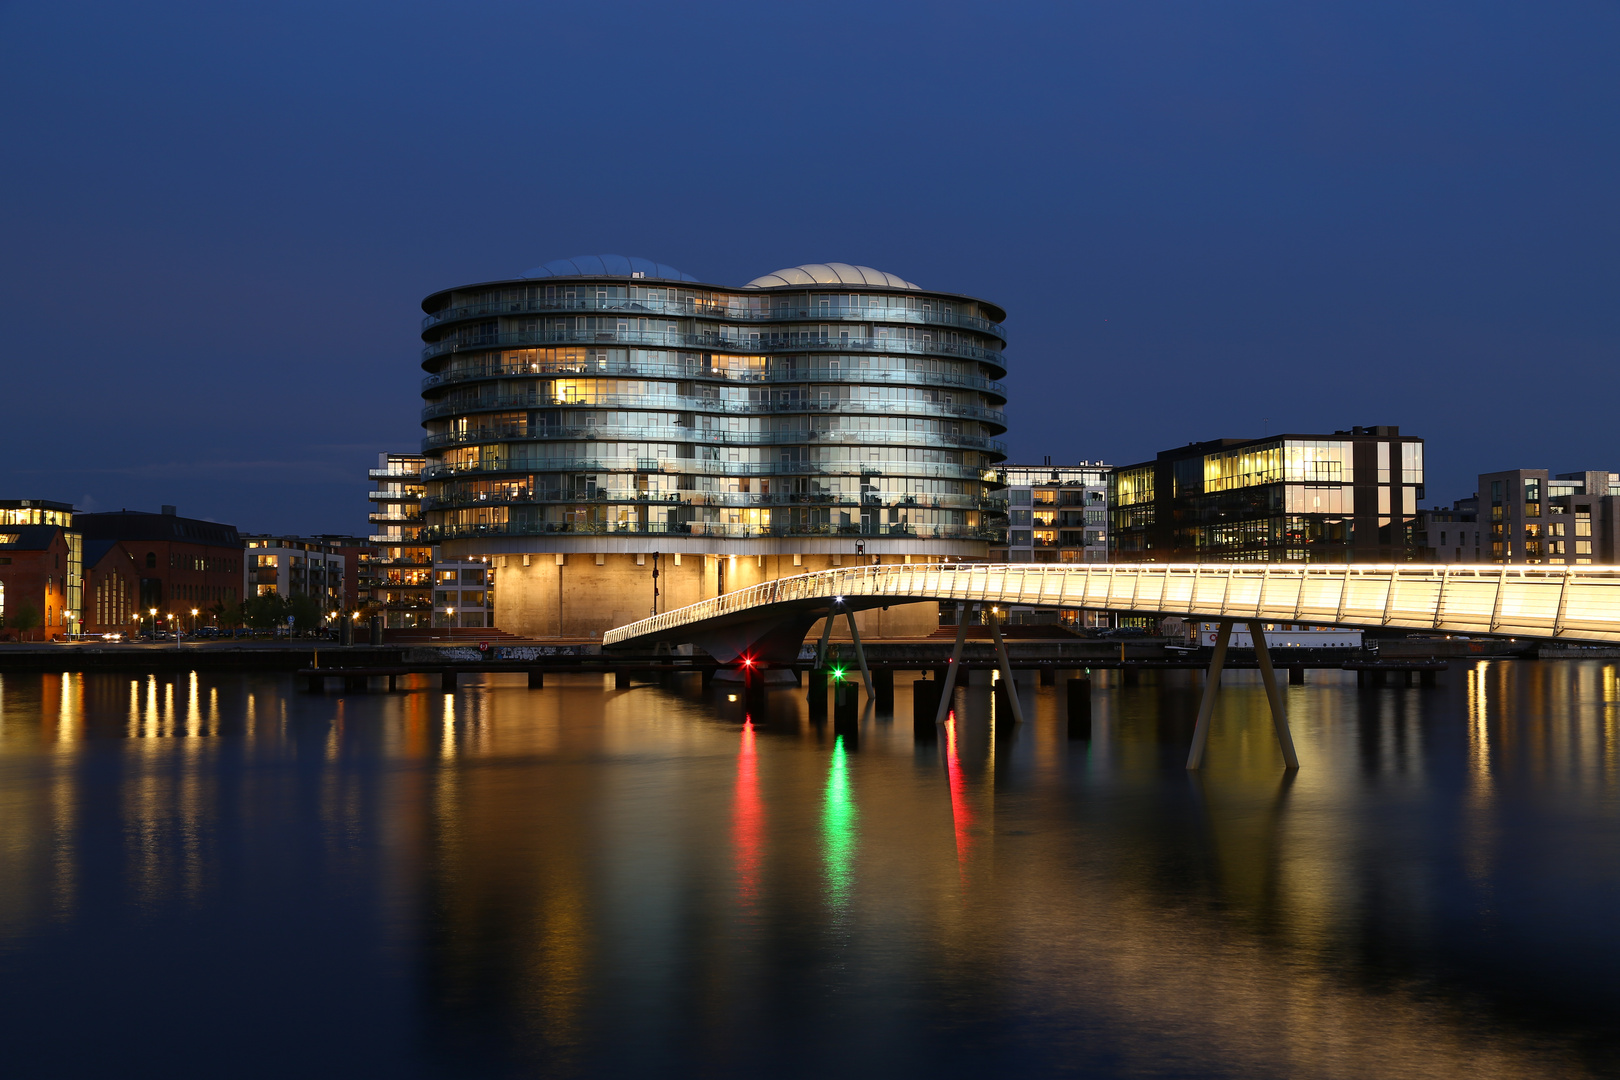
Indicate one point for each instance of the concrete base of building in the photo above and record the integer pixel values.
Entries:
(573, 595)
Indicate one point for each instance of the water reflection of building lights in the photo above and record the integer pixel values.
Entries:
(838, 822)
(748, 817)
(447, 739)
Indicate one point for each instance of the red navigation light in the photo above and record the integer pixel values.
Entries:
(748, 661)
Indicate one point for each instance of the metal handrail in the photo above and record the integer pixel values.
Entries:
(683, 403)
(719, 529)
(685, 372)
(690, 497)
(673, 339)
(538, 435)
(684, 307)
(703, 467)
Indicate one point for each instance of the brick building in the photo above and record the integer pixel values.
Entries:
(37, 568)
(178, 563)
(112, 584)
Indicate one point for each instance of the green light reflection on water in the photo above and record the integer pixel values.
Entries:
(838, 827)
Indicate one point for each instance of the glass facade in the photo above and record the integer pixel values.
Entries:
(564, 409)
(1350, 497)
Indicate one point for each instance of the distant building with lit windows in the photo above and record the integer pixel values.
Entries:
(162, 561)
(1529, 517)
(41, 569)
(616, 437)
(1055, 513)
(1351, 496)
(289, 566)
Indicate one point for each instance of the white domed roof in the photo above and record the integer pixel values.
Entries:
(831, 274)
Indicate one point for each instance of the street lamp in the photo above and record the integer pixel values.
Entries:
(154, 622)
(194, 621)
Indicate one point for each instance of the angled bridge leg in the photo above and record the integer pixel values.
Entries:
(956, 665)
(1279, 706)
(1206, 707)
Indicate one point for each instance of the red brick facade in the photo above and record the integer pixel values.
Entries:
(33, 574)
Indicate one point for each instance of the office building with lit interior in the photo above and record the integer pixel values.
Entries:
(1350, 496)
(603, 427)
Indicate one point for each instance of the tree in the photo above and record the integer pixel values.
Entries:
(266, 611)
(306, 612)
(228, 613)
(22, 618)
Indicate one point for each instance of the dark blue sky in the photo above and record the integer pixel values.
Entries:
(1204, 219)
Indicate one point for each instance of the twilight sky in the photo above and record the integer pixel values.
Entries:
(1204, 220)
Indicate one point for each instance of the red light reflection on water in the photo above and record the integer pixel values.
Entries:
(748, 817)
(960, 811)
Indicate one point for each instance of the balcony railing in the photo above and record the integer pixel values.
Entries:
(713, 406)
(672, 339)
(707, 528)
(703, 467)
(690, 307)
(712, 436)
(648, 370)
(732, 500)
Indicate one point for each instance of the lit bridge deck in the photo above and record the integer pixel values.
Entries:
(766, 624)
(1579, 603)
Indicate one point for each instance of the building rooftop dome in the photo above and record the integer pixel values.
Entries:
(831, 274)
(606, 266)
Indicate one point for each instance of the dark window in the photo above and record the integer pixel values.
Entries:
(151, 560)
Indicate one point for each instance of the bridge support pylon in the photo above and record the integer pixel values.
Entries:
(1279, 705)
(947, 694)
(860, 654)
(1006, 670)
(1212, 685)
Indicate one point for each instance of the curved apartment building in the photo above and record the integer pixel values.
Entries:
(599, 419)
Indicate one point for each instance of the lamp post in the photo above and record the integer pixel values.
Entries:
(194, 621)
(154, 622)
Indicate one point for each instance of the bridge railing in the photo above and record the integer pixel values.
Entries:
(1522, 601)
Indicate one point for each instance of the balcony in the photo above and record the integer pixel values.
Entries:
(705, 468)
(708, 528)
(688, 307)
(705, 436)
(645, 370)
(714, 406)
(671, 339)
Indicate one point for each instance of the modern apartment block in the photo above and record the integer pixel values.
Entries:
(1351, 496)
(598, 418)
(1055, 513)
(1534, 518)
(396, 580)
(291, 566)
(463, 594)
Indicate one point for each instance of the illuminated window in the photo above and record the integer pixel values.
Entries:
(1411, 463)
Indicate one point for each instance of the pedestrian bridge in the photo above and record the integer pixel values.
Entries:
(770, 620)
